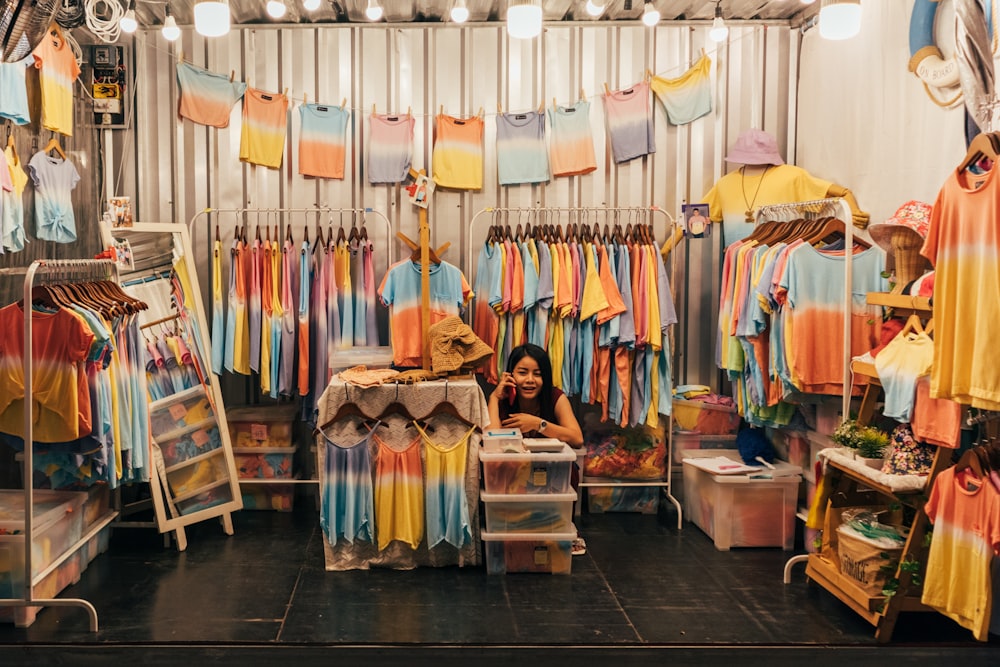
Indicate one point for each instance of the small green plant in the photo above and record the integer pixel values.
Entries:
(872, 443)
(848, 434)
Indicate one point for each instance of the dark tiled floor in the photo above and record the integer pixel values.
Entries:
(643, 586)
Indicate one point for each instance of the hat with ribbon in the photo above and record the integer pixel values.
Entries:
(453, 345)
(755, 147)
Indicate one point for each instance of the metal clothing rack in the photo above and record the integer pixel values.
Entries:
(54, 271)
(640, 214)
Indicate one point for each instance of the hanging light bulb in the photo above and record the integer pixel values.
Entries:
(839, 19)
(310, 5)
(170, 31)
(460, 13)
(128, 23)
(211, 18)
(374, 11)
(719, 31)
(649, 15)
(276, 8)
(808, 2)
(524, 18)
(595, 9)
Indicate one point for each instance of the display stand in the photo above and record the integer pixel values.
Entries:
(60, 270)
(187, 489)
(608, 212)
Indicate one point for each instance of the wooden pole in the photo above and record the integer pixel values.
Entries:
(425, 289)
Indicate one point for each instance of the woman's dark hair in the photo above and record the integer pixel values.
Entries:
(541, 357)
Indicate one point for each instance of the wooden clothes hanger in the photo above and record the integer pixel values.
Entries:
(982, 146)
(448, 408)
(53, 145)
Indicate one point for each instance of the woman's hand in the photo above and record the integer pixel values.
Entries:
(505, 388)
(527, 423)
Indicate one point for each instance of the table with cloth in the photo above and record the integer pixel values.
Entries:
(420, 399)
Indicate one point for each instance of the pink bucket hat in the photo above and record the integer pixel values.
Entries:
(755, 147)
(913, 215)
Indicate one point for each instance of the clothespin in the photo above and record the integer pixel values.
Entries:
(499, 108)
(480, 114)
(442, 110)
(180, 55)
(409, 111)
(232, 75)
(305, 98)
(583, 95)
(286, 92)
(649, 74)
(555, 105)
(373, 108)
(607, 91)
(541, 107)
(343, 103)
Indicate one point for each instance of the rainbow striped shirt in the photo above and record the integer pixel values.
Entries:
(323, 140)
(262, 138)
(206, 97)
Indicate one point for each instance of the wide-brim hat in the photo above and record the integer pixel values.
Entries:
(755, 147)
(454, 345)
(913, 215)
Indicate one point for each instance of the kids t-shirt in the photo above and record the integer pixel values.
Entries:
(54, 180)
(630, 122)
(206, 97)
(323, 140)
(521, 154)
(14, 92)
(262, 137)
(390, 148)
(58, 71)
(458, 153)
(689, 96)
(571, 142)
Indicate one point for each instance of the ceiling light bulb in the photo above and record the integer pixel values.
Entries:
(276, 8)
(310, 5)
(460, 13)
(649, 15)
(718, 31)
(211, 18)
(524, 18)
(595, 9)
(170, 31)
(128, 23)
(839, 19)
(808, 2)
(374, 11)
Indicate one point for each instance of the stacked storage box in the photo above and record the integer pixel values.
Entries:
(265, 455)
(529, 511)
(703, 425)
(613, 455)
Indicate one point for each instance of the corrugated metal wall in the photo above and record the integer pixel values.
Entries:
(182, 168)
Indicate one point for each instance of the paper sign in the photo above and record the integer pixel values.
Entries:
(258, 431)
(200, 438)
(178, 411)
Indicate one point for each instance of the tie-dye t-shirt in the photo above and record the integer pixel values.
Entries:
(689, 96)
(571, 147)
(14, 91)
(59, 71)
(262, 138)
(630, 122)
(390, 148)
(521, 155)
(458, 153)
(206, 97)
(323, 140)
(54, 180)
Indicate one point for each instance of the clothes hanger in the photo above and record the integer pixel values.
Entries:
(347, 409)
(341, 236)
(396, 408)
(53, 145)
(980, 147)
(970, 461)
(448, 408)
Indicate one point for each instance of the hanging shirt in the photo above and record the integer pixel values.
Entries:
(320, 338)
(230, 339)
(630, 122)
(341, 277)
(964, 247)
(305, 284)
(485, 321)
(689, 96)
(521, 154)
(323, 140)
(909, 356)
(736, 193)
(206, 97)
(390, 148)
(357, 268)
(400, 290)
(262, 136)
(348, 508)
(12, 208)
(277, 317)
(267, 313)
(370, 293)
(254, 259)
(288, 375)
(445, 500)
(965, 512)
(54, 180)
(399, 497)
(457, 161)
(58, 71)
(14, 92)
(571, 140)
(218, 314)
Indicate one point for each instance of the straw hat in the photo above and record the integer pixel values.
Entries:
(755, 147)
(453, 345)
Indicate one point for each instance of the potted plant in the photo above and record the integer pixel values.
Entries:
(848, 436)
(872, 444)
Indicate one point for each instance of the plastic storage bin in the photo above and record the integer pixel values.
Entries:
(186, 408)
(689, 440)
(261, 426)
(643, 499)
(519, 473)
(372, 357)
(276, 496)
(737, 511)
(264, 462)
(705, 418)
(189, 442)
(529, 513)
(529, 552)
(503, 440)
(57, 526)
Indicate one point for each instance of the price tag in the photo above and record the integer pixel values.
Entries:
(541, 555)
(258, 431)
(539, 476)
(178, 411)
(200, 438)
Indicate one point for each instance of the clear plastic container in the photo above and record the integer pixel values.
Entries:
(264, 462)
(186, 408)
(57, 525)
(261, 426)
(529, 513)
(529, 552)
(277, 497)
(705, 418)
(372, 357)
(520, 473)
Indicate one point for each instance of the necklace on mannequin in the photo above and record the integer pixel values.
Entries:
(743, 178)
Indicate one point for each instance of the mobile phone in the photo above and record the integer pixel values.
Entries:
(512, 395)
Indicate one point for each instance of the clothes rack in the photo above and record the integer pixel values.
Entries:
(52, 271)
(587, 214)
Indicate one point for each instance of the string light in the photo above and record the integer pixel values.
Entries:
(595, 9)
(839, 19)
(211, 18)
(128, 23)
(524, 19)
(460, 13)
(276, 9)
(650, 16)
(374, 11)
(719, 30)
(310, 5)
(170, 31)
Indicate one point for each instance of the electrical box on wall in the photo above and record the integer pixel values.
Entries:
(109, 85)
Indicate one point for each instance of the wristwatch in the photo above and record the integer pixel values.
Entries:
(542, 425)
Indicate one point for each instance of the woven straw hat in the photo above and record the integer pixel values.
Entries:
(453, 345)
